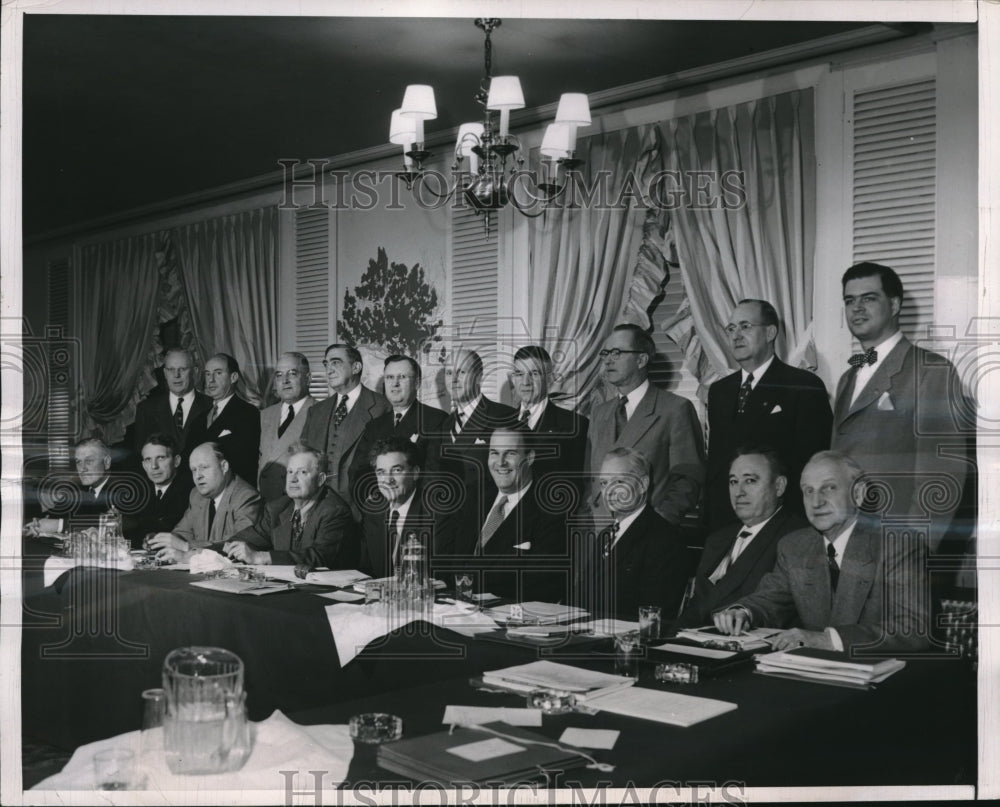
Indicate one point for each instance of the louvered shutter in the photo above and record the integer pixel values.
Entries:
(894, 190)
(59, 369)
(312, 291)
(474, 273)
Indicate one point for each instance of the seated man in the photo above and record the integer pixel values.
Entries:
(166, 496)
(640, 559)
(737, 556)
(220, 506)
(309, 526)
(830, 579)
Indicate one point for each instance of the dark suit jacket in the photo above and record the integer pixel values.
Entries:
(340, 444)
(895, 428)
(158, 515)
(742, 577)
(376, 551)
(274, 449)
(796, 593)
(155, 415)
(329, 537)
(560, 443)
(242, 444)
(239, 508)
(648, 566)
(665, 428)
(789, 410)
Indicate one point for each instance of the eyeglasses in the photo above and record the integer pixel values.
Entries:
(743, 327)
(616, 352)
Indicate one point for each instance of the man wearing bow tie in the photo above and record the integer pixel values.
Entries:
(895, 409)
(765, 402)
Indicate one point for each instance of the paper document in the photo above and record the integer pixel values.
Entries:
(663, 707)
(478, 715)
(590, 738)
(551, 675)
(542, 612)
(702, 652)
(607, 627)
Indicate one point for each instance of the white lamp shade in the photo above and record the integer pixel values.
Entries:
(573, 108)
(558, 141)
(505, 93)
(402, 130)
(466, 144)
(418, 102)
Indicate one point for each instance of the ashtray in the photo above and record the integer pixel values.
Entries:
(552, 701)
(677, 673)
(376, 727)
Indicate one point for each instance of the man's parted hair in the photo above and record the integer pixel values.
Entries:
(397, 445)
(535, 352)
(161, 439)
(854, 470)
(352, 352)
(637, 462)
(768, 315)
(774, 461)
(641, 340)
(216, 449)
(400, 357)
(891, 284)
(301, 448)
(300, 358)
(232, 366)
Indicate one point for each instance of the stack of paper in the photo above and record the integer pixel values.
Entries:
(827, 667)
(711, 636)
(663, 707)
(539, 613)
(585, 684)
(362, 584)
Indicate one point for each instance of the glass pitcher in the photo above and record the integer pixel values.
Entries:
(205, 728)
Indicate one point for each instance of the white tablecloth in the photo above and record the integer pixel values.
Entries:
(56, 566)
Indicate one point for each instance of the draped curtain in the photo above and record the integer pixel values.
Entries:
(759, 249)
(229, 269)
(118, 283)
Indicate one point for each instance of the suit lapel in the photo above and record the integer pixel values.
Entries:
(642, 420)
(221, 515)
(881, 381)
(856, 577)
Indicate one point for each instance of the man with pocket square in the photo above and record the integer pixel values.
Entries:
(895, 407)
(766, 402)
(232, 422)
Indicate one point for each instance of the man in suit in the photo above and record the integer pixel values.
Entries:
(179, 413)
(466, 437)
(310, 526)
(231, 422)
(335, 426)
(409, 419)
(737, 556)
(561, 433)
(895, 408)
(839, 584)
(93, 468)
(660, 424)
(639, 559)
(220, 506)
(765, 402)
(281, 424)
(166, 495)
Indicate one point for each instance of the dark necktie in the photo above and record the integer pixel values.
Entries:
(179, 415)
(456, 428)
(730, 558)
(296, 528)
(492, 523)
(621, 416)
(870, 356)
(745, 389)
(831, 562)
(283, 426)
(525, 415)
(392, 534)
(395, 419)
(93, 494)
(159, 493)
(608, 541)
(211, 517)
(340, 412)
(213, 414)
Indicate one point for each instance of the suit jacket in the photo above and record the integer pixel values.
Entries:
(158, 515)
(796, 593)
(376, 551)
(895, 428)
(272, 465)
(647, 566)
(789, 410)
(665, 428)
(465, 459)
(242, 443)
(560, 443)
(239, 508)
(340, 444)
(329, 537)
(742, 577)
(155, 415)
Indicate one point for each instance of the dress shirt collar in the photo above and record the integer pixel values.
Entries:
(840, 542)
(625, 523)
(352, 397)
(535, 412)
(884, 347)
(295, 406)
(866, 371)
(469, 408)
(757, 527)
(161, 490)
(221, 404)
(512, 499)
(187, 398)
(401, 412)
(305, 507)
(96, 489)
(403, 507)
(757, 373)
(633, 398)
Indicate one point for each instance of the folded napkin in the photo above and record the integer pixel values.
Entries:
(278, 745)
(54, 567)
(208, 561)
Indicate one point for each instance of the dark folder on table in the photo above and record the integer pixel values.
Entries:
(477, 755)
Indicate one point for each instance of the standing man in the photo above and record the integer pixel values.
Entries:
(561, 434)
(661, 425)
(765, 402)
(838, 584)
(737, 556)
(310, 526)
(639, 559)
(894, 407)
(232, 422)
(281, 424)
(180, 413)
(167, 494)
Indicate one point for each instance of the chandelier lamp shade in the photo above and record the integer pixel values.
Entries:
(495, 156)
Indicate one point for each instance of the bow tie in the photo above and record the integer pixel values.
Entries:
(870, 356)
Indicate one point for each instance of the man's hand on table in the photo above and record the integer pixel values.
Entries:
(240, 550)
(166, 540)
(732, 621)
(797, 637)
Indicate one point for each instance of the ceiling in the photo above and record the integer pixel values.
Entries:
(125, 111)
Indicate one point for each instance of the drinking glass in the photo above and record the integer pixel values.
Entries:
(114, 769)
(649, 622)
(627, 648)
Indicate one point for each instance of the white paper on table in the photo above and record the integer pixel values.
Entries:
(340, 596)
(542, 611)
(482, 750)
(704, 652)
(462, 618)
(278, 744)
(55, 567)
(354, 628)
(607, 627)
(663, 707)
(590, 738)
(477, 715)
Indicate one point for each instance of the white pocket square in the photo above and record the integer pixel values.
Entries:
(224, 432)
(479, 442)
(777, 408)
(523, 547)
(413, 438)
(885, 403)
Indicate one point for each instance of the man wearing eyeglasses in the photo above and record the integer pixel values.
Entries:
(334, 426)
(281, 424)
(765, 402)
(660, 424)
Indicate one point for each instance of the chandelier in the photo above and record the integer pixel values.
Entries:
(495, 160)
